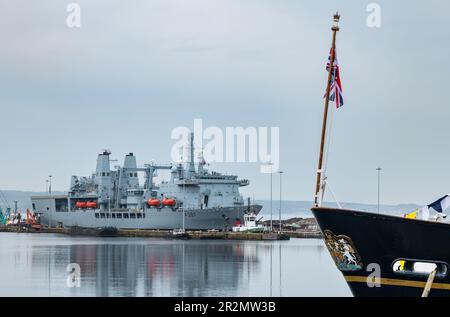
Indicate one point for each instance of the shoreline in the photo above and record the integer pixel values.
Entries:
(166, 234)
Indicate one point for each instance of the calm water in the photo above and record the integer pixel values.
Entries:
(35, 265)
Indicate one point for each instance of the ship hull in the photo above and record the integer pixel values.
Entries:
(377, 242)
(152, 218)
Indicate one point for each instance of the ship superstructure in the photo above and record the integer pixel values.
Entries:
(115, 197)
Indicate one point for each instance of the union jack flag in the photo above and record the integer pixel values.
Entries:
(335, 82)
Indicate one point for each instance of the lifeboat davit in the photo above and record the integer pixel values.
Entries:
(154, 202)
(81, 204)
(169, 202)
(91, 204)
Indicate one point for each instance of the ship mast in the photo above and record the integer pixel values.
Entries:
(335, 29)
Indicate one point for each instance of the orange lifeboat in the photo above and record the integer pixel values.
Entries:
(91, 204)
(81, 204)
(154, 202)
(169, 202)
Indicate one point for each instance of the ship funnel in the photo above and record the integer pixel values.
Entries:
(129, 178)
(130, 161)
(103, 177)
(103, 165)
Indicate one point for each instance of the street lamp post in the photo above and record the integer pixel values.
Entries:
(50, 192)
(279, 211)
(50, 184)
(46, 186)
(271, 209)
(379, 169)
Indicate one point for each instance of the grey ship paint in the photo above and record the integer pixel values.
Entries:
(114, 198)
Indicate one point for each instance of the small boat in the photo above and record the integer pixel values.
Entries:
(250, 225)
(179, 234)
(96, 232)
(107, 232)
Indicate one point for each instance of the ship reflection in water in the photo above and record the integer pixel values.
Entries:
(36, 265)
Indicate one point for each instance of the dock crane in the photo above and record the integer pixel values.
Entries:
(4, 217)
(31, 221)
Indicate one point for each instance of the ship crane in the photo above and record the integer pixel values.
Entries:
(149, 170)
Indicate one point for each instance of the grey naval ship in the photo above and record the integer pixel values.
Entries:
(194, 198)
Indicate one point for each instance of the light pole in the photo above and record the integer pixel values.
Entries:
(50, 192)
(279, 250)
(379, 169)
(271, 269)
(271, 209)
(281, 181)
(50, 184)
(46, 186)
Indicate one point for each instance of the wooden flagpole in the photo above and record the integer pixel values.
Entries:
(335, 29)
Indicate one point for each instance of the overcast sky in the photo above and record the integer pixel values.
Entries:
(137, 69)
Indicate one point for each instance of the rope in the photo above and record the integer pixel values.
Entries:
(332, 193)
(324, 177)
(325, 181)
(427, 289)
(327, 150)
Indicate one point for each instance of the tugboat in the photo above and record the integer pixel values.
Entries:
(379, 254)
(250, 225)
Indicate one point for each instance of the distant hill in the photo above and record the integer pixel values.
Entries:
(23, 198)
(289, 209)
